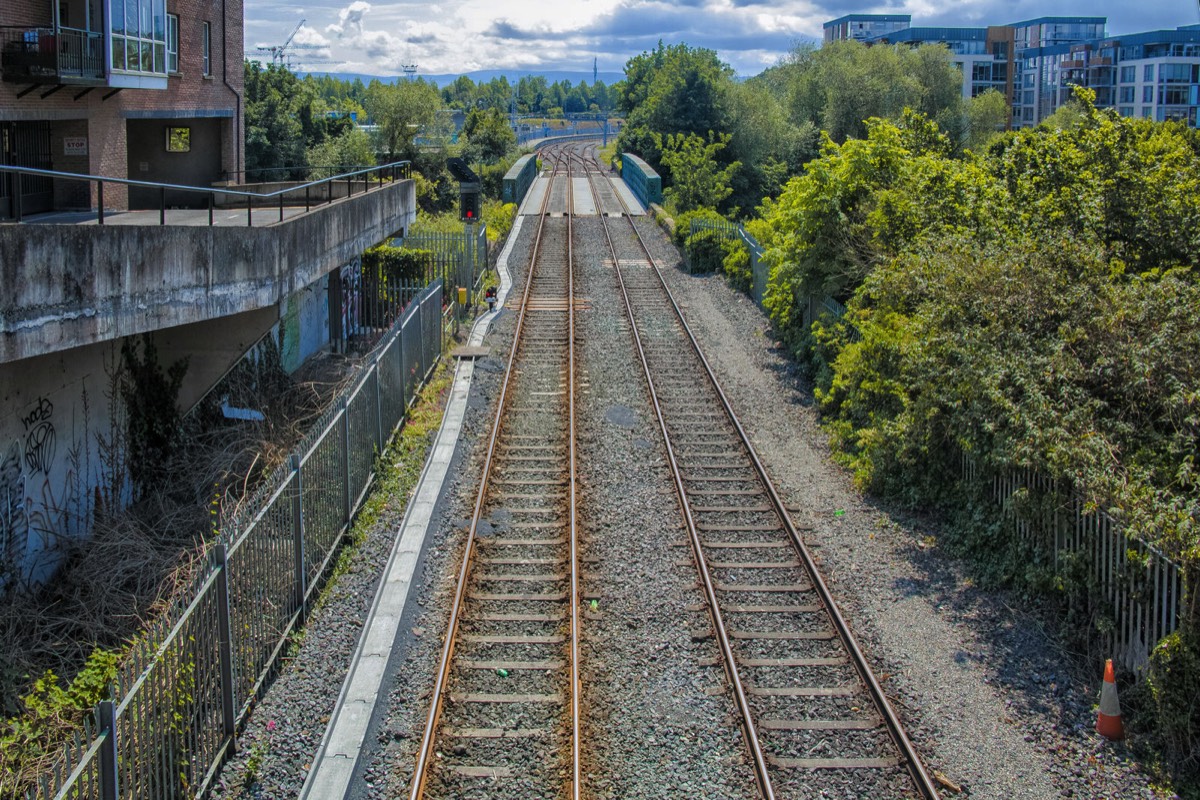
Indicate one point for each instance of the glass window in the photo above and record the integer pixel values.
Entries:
(1146, 111)
(205, 52)
(1175, 73)
(1148, 73)
(1125, 111)
(1127, 96)
(1147, 94)
(139, 35)
(179, 140)
(1128, 74)
(172, 43)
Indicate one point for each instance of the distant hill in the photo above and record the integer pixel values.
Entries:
(483, 76)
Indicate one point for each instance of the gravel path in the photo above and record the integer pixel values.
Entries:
(989, 699)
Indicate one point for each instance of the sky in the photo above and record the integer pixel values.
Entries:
(378, 37)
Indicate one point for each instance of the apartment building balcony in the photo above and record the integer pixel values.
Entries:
(58, 56)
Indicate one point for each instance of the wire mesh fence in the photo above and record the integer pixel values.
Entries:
(179, 698)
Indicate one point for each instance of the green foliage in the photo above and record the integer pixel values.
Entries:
(1033, 306)
(151, 398)
(499, 218)
(346, 152)
(736, 265)
(840, 85)
(401, 110)
(1174, 679)
(30, 739)
(285, 118)
(672, 89)
(396, 266)
(696, 179)
(489, 137)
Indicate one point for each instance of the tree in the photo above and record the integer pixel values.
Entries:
(349, 151)
(698, 181)
(839, 86)
(673, 89)
(401, 110)
(489, 137)
(987, 116)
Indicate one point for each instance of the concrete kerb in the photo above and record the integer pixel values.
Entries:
(334, 764)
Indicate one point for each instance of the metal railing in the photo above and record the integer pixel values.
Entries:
(1133, 584)
(460, 259)
(178, 701)
(310, 193)
(44, 54)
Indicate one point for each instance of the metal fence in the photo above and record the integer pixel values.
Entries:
(1132, 584)
(460, 258)
(759, 271)
(179, 699)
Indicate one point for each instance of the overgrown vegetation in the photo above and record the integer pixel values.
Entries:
(1032, 306)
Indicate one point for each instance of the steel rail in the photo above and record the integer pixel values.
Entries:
(425, 754)
(739, 692)
(576, 681)
(920, 776)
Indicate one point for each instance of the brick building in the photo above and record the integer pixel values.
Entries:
(142, 89)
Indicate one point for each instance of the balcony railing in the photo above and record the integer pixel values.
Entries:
(51, 55)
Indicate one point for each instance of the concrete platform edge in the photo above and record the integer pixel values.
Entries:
(336, 758)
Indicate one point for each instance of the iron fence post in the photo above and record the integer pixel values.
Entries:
(403, 374)
(249, 211)
(378, 406)
(162, 205)
(211, 203)
(100, 201)
(281, 207)
(16, 198)
(345, 408)
(298, 535)
(108, 751)
(225, 646)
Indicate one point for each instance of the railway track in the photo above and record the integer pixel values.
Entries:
(814, 715)
(504, 714)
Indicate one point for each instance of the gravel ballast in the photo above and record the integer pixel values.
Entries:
(988, 698)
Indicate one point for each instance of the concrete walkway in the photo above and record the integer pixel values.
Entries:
(333, 766)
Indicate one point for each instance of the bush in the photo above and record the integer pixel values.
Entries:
(737, 265)
(499, 218)
(397, 265)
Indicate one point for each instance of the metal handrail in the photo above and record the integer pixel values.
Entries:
(397, 169)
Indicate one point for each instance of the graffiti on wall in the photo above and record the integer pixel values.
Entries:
(39, 496)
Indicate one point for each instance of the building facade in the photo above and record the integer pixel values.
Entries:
(140, 89)
(1037, 63)
(860, 27)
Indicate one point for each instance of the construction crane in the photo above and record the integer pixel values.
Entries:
(279, 52)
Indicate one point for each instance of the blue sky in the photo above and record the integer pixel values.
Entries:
(450, 36)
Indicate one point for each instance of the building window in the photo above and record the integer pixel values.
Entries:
(172, 43)
(179, 140)
(1147, 94)
(1148, 73)
(1125, 111)
(206, 48)
(1147, 112)
(1128, 74)
(139, 36)
(1127, 97)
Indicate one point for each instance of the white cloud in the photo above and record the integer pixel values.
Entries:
(350, 19)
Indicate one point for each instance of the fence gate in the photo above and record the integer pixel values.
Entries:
(26, 144)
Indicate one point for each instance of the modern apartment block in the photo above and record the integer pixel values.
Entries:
(142, 89)
(861, 27)
(1036, 63)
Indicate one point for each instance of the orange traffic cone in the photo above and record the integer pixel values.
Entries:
(1108, 722)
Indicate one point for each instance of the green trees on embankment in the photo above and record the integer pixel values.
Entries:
(1028, 299)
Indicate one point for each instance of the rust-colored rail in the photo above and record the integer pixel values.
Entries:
(908, 756)
(426, 754)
